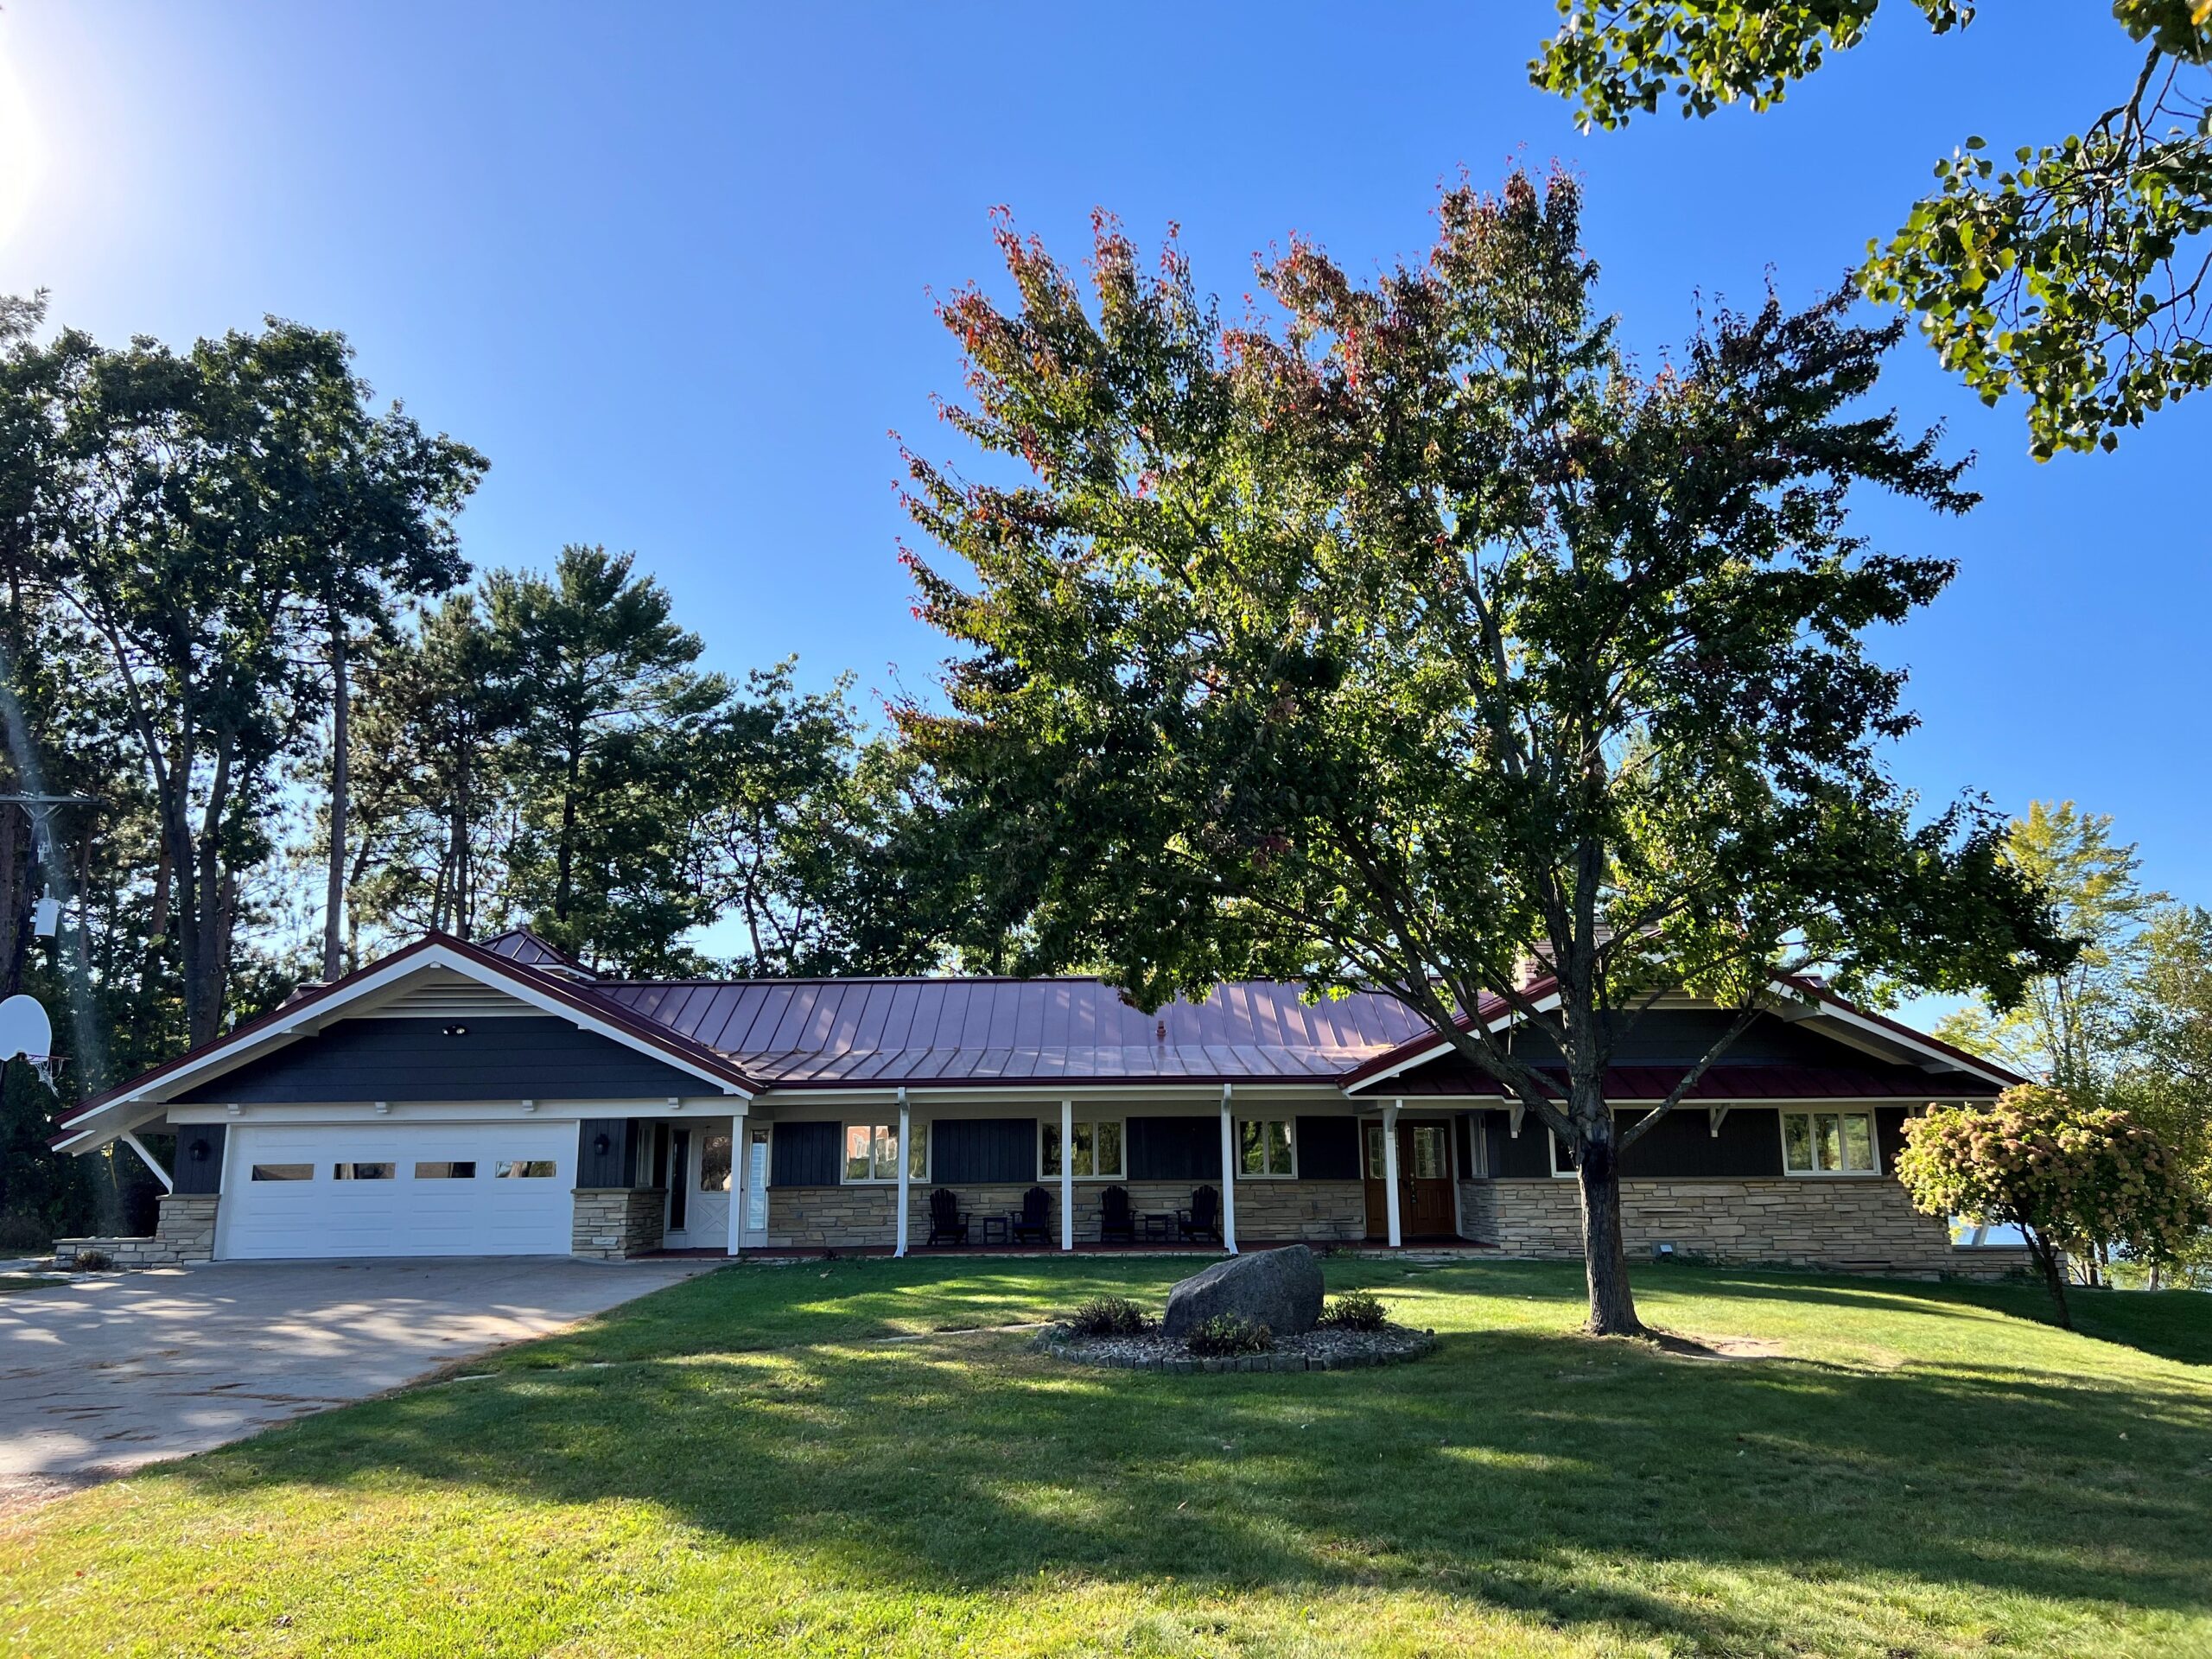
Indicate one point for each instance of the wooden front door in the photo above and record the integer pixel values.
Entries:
(1424, 1207)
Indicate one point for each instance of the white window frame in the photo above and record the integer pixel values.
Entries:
(918, 1136)
(1782, 1117)
(1290, 1134)
(1047, 1126)
(1551, 1145)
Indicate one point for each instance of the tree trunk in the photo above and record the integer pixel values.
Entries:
(334, 948)
(1612, 1306)
(2046, 1252)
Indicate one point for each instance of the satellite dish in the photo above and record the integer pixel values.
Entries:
(25, 1030)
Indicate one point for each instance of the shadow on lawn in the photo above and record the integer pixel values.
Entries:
(971, 1464)
(2174, 1325)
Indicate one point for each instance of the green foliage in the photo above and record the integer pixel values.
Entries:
(1419, 636)
(2073, 276)
(2071, 1177)
(2071, 1027)
(1356, 1310)
(1110, 1316)
(1225, 1335)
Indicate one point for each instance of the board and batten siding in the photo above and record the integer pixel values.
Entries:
(972, 1150)
(805, 1155)
(524, 1058)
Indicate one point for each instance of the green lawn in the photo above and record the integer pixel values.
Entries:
(745, 1463)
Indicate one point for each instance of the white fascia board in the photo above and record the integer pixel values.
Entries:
(1443, 1045)
(1932, 1059)
(1136, 1091)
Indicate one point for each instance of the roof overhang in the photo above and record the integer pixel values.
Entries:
(106, 1117)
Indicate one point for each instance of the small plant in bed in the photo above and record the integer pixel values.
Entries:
(92, 1262)
(1356, 1310)
(1110, 1316)
(1227, 1334)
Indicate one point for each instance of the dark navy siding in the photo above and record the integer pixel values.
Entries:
(513, 1059)
(977, 1150)
(1683, 1143)
(805, 1154)
(1328, 1149)
(200, 1157)
(1682, 1036)
(618, 1163)
(1174, 1149)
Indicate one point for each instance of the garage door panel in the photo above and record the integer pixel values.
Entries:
(410, 1213)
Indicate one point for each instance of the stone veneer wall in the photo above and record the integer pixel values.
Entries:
(184, 1233)
(613, 1222)
(1856, 1226)
(860, 1217)
(1478, 1209)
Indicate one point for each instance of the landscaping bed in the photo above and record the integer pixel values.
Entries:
(1324, 1349)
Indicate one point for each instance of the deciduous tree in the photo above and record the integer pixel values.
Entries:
(2075, 275)
(2069, 1176)
(1419, 636)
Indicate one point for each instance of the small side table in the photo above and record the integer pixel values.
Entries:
(995, 1229)
(1158, 1228)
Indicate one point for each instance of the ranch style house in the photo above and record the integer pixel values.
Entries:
(462, 1099)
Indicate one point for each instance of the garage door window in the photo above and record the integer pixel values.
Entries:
(283, 1172)
(360, 1172)
(453, 1169)
(531, 1169)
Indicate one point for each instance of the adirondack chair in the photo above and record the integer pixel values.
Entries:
(1203, 1219)
(1116, 1219)
(1034, 1219)
(948, 1221)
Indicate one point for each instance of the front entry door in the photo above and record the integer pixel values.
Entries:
(698, 1186)
(1424, 1207)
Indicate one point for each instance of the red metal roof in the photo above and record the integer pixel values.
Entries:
(823, 1033)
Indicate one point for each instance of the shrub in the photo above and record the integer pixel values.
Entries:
(22, 1235)
(92, 1262)
(1110, 1316)
(1356, 1310)
(2069, 1176)
(1229, 1333)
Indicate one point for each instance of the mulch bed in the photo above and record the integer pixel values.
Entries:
(1324, 1349)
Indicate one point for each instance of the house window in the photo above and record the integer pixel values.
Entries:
(283, 1172)
(1562, 1156)
(1264, 1148)
(871, 1153)
(715, 1154)
(523, 1169)
(1829, 1144)
(1097, 1149)
(455, 1169)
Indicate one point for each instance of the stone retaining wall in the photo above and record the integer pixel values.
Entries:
(184, 1233)
(613, 1221)
(1856, 1226)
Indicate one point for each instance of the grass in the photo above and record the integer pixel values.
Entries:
(11, 1282)
(745, 1463)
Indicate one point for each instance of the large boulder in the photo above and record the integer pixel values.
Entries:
(1280, 1289)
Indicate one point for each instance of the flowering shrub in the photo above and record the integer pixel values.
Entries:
(2067, 1175)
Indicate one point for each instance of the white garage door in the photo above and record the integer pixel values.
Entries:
(392, 1189)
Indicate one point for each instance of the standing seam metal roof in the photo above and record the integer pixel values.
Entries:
(827, 1033)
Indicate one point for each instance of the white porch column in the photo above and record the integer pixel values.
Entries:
(1227, 1170)
(1390, 1169)
(739, 1156)
(905, 1162)
(1067, 1174)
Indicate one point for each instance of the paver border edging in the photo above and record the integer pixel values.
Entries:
(1175, 1359)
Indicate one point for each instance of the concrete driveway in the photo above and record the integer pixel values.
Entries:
(107, 1374)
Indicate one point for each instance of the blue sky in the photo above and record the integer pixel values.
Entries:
(670, 267)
